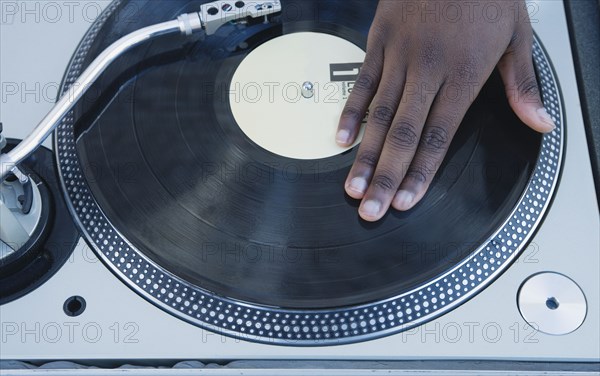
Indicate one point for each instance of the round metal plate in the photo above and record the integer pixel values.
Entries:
(298, 327)
(552, 303)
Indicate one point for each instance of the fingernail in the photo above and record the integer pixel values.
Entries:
(343, 137)
(546, 118)
(358, 185)
(371, 208)
(404, 200)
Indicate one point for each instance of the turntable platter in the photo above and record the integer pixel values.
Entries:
(182, 202)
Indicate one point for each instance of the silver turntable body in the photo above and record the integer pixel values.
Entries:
(545, 307)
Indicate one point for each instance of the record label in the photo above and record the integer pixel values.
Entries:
(274, 109)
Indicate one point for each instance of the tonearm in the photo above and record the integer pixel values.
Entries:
(208, 20)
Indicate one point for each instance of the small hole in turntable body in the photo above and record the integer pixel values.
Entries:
(74, 306)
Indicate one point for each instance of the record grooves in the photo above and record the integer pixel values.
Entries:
(195, 215)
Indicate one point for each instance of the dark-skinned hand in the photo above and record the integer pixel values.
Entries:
(426, 62)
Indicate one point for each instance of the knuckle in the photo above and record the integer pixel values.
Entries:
(529, 88)
(385, 181)
(422, 169)
(527, 83)
(417, 173)
(352, 113)
(466, 70)
(383, 115)
(403, 136)
(368, 158)
(435, 139)
(366, 81)
(431, 55)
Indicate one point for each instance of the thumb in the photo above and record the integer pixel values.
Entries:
(516, 69)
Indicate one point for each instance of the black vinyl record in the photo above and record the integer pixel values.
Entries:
(175, 175)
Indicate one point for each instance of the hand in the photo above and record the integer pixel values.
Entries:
(426, 62)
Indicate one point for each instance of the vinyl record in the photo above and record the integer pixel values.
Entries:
(195, 212)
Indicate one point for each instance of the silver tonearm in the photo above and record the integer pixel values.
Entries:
(208, 20)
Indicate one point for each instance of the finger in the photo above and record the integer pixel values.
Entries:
(381, 115)
(362, 94)
(447, 112)
(399, 148)
(518, 74)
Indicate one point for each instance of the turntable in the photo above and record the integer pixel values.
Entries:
(173, 217)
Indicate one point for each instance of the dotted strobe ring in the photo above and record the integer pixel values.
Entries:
(320, 327)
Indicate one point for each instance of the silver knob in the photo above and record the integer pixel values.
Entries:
(308, 90)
